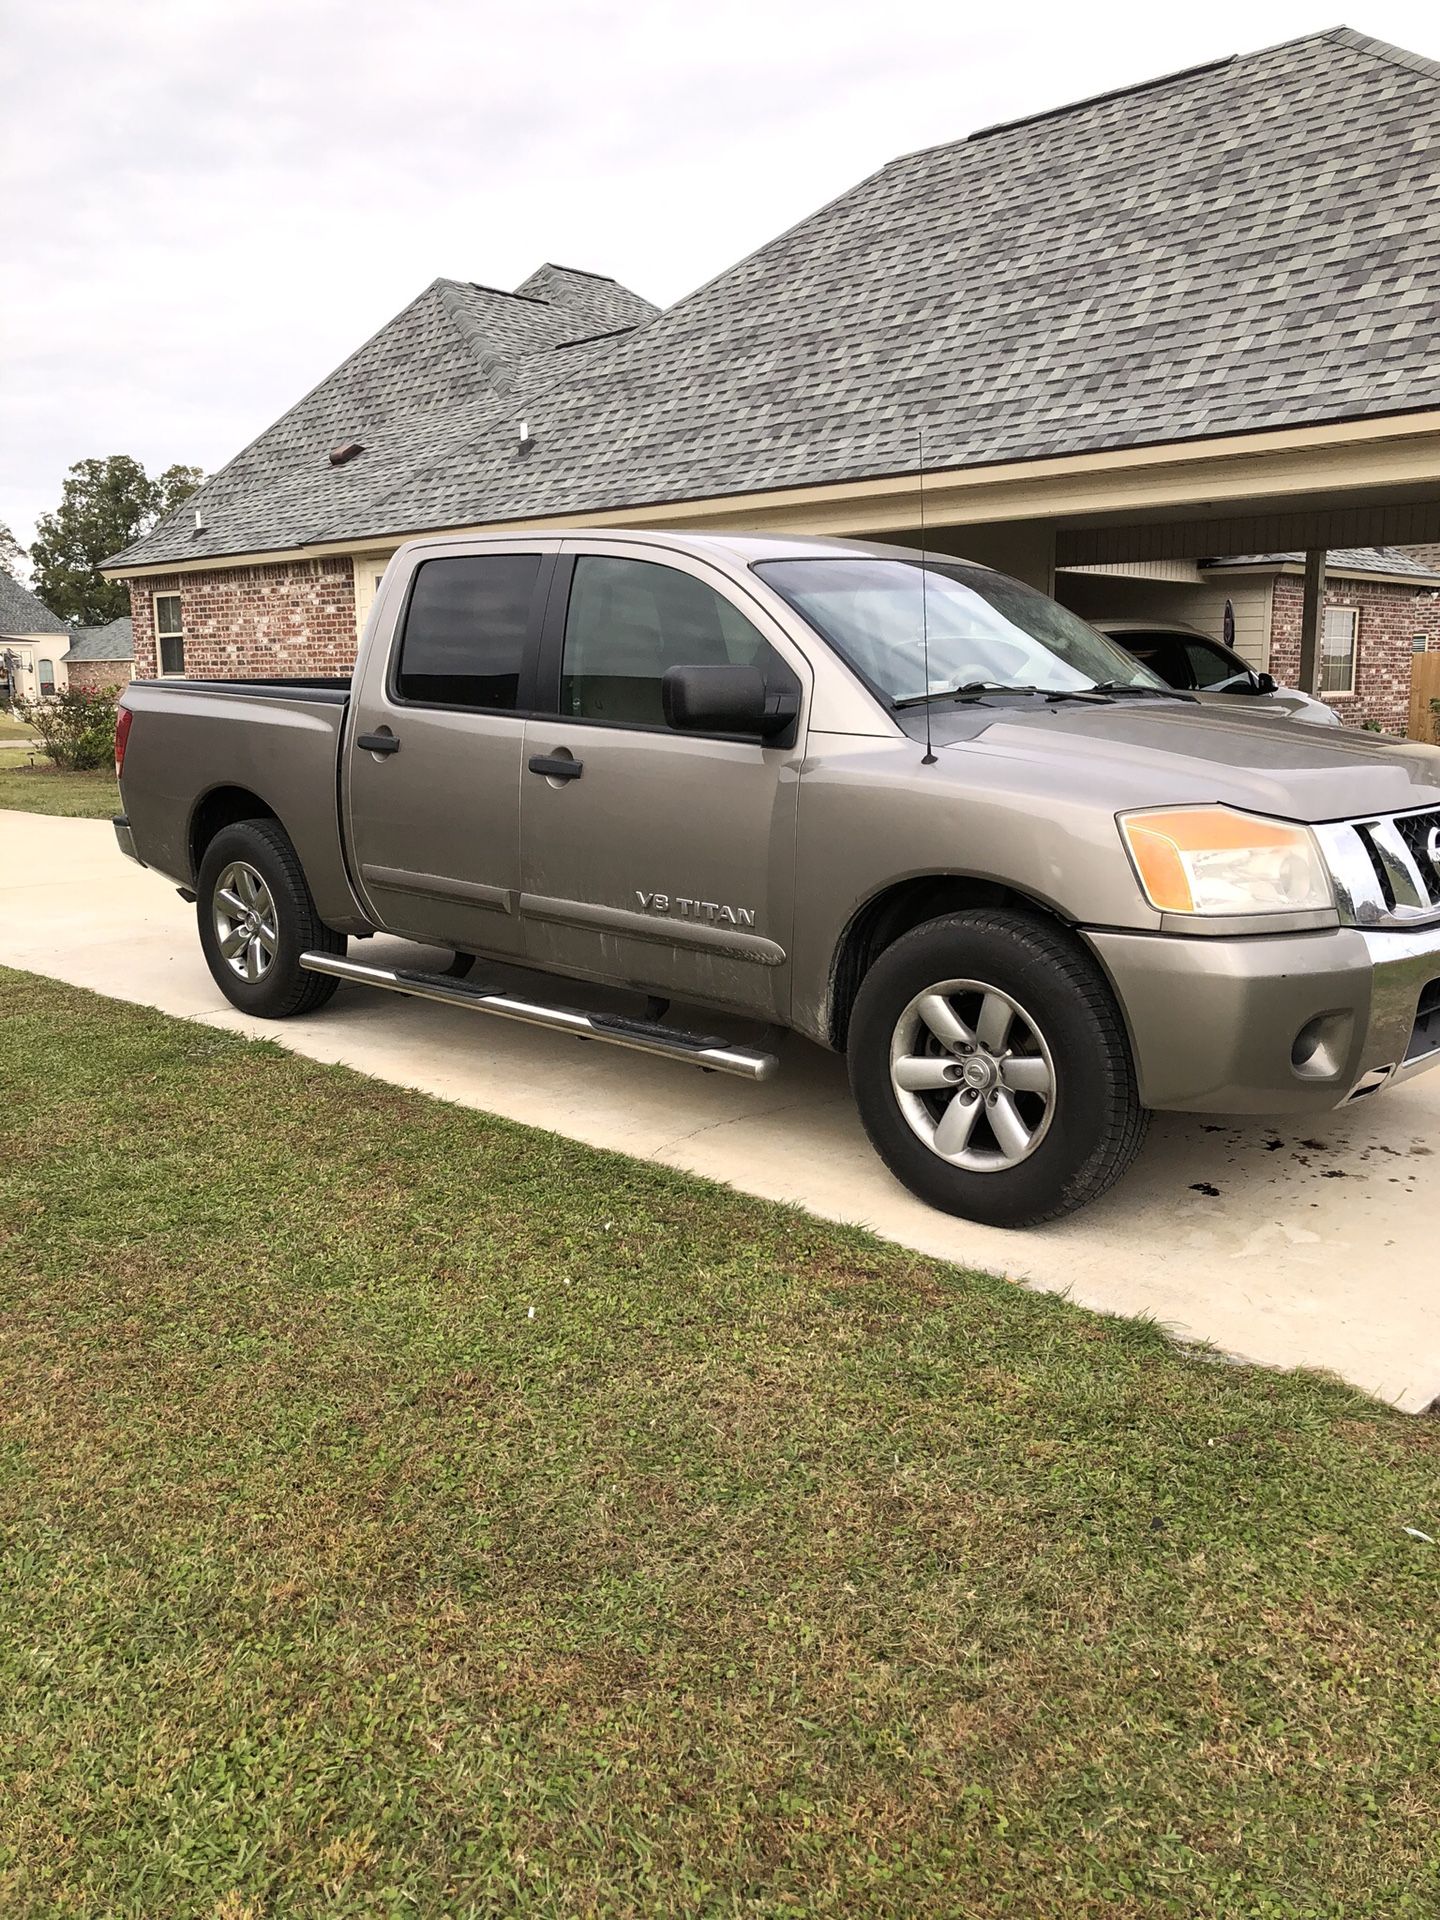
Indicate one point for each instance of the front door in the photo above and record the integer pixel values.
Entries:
(662, 859)
(434, 802)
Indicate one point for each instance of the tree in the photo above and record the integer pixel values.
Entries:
(105, 506)
(14, 558)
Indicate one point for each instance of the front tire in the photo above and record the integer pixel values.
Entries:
(256, 918)
(992, 1070)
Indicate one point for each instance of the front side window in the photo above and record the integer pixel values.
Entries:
(169, 634)
(465, 631)
(630, 620)
(977, 628)
(1213, 667)
(46, 674)
(1337, 673)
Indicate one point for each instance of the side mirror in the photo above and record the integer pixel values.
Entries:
(724, 700)
(1266, 683)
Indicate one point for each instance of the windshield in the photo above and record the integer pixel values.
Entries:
(984, 629)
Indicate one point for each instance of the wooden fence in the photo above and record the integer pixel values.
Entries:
(1424, 687)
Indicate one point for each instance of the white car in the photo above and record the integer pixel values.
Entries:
(1191, 661)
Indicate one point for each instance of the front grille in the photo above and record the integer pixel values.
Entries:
(1386, 870)
(1421, 834)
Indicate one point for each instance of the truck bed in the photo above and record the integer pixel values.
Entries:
(238, 748)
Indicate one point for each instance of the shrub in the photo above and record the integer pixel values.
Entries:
(75, 728)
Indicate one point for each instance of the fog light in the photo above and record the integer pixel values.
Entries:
(1321, 1046)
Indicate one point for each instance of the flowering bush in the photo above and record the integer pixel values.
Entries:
(75, 728)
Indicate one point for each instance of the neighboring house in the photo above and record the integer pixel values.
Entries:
(101, 659)
(1382, 607)
(33, 640)
(1192, 317)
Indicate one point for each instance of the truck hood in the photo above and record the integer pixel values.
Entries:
(1138, 754)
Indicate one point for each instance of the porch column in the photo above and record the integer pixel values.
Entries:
(1312, 620)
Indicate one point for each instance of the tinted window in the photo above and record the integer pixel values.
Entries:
(1163, 654)
(1186, 659)
(465, 630)
(628, 621)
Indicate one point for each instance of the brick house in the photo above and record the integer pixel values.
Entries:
(101, 659)
(1039, 297)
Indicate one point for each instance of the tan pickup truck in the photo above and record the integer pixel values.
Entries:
(903, 806)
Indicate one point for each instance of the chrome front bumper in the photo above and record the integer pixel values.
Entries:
(1287, 1023)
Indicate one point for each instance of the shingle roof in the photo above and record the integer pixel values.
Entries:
(113, 641)
(1342, 560)
(21, 612)
(1251, 244)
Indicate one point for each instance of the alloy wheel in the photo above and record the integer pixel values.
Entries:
(972, 1075)
(247, 928)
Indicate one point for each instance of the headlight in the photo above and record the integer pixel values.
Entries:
(1217, 861)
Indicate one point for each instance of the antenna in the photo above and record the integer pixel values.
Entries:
(929, 759)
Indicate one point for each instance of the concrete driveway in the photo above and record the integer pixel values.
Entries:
(1308, 1245)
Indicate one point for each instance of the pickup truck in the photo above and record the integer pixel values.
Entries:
(897, 803)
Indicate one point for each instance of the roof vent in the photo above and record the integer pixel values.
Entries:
(527, 439)
(347, 450)
(200, 526)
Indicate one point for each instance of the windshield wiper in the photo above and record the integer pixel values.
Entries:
(1143, 693)
(972, 690)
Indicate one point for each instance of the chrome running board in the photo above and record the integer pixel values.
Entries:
(642, 1036)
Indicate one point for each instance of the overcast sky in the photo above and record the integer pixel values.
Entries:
(205, 207)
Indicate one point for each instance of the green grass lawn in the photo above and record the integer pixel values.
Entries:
(406, 1513)
(13, 729)
(41, 788)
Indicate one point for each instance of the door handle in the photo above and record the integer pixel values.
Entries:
(378, 743)
(554, 767)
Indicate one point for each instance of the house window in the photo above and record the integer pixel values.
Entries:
(1419, 642)
(1337, 672)
(169, 634)
(46, 673)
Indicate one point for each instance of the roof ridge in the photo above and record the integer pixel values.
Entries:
(1344, 34)
(1092, 100)
(491, 365)
(1385, 50)
(583, 272)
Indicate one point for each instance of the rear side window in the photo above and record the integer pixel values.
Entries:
(465, 631)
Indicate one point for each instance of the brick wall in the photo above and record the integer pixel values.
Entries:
(97, 676)
(1390, 616)
(249, 623)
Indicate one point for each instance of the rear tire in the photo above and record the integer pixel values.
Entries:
(992, 1070)
(256, 917)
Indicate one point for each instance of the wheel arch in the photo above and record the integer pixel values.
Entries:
(897, 908)
(220, 807)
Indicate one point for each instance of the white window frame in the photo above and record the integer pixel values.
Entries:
(162, 634)
(1327, 654)
(45, 693)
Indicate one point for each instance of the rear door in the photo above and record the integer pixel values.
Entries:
(433, 762)
(665, 860)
